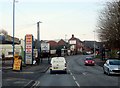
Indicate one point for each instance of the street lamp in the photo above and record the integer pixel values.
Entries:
(14, 1)
(94, 44)
(65, 37)
(13, 24)
(38, 39)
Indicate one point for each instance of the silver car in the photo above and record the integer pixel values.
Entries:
(112, 66)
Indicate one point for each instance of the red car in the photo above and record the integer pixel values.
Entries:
(89, 61)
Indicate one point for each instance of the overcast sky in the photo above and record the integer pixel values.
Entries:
(58, 17)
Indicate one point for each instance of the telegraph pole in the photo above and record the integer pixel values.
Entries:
(38, 40)
(94, 44)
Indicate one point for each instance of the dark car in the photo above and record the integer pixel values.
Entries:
(89, 61)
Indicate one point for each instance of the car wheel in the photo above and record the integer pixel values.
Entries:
(51, 72)
(65, 72)
(104, 70)
(108, 72)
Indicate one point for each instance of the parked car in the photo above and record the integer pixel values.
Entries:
(112, 66)
(89, 61)
(58, 64)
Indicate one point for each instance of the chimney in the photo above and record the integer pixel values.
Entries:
(72, 35)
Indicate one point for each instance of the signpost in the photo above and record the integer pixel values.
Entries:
(17, 63)
(29, 49)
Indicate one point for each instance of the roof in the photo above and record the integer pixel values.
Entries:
(90, 44)
(7, 39)
(74, 38)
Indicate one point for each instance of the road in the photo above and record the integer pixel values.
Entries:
(0, 72)
(79, 75)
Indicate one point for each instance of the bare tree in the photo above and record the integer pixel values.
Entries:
(109, 24)
(3, 31)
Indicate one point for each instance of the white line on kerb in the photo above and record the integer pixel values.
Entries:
(77, 83)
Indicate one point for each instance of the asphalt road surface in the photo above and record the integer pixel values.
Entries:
(79, 75)
(0, 78)
(0, 72)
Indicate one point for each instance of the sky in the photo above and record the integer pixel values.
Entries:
(60, 18)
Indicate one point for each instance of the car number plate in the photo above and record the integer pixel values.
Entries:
(55, 67)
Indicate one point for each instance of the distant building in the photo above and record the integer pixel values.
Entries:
(76, 45)
(53, 44)
(58, 47)
(7, 39)
(89, 46)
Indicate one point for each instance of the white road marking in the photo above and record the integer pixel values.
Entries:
(36, 83)
(73, 77)
(84, 73)
(77, 83)
(75, 80)
(24, 72)
(28, 82)
(71, 74)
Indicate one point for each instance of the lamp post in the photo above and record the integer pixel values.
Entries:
(13, 25)
(38, 40)
(94, 44)
(65, 37)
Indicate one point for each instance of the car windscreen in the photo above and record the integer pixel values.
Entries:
(89, 58)
(114, 62)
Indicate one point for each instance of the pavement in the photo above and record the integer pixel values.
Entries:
(25, 77)
(7, 66)
(99, 61)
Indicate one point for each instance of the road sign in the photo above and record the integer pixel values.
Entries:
(17, 63)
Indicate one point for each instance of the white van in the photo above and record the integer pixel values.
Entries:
(58, 64)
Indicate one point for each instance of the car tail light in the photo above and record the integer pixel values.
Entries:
(93, 61)
(86, 61)
(50, 65)
(65, 64)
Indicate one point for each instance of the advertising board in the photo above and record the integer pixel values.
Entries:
(17, 63)
(45, 47)
(29, 49)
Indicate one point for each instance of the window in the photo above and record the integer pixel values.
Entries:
(10, 53)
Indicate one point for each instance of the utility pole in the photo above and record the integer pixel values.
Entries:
(13, 26)
(65, 37)
(94, 44)
(38, 41)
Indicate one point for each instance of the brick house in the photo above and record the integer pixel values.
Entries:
(53, 44)
(76, 45)
(59, 46)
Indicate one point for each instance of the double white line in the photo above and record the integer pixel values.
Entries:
(35, 84)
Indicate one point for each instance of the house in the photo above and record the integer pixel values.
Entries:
(76, 45)
(89, 46)
(63, 47)
(58, 47)
(53, 46)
